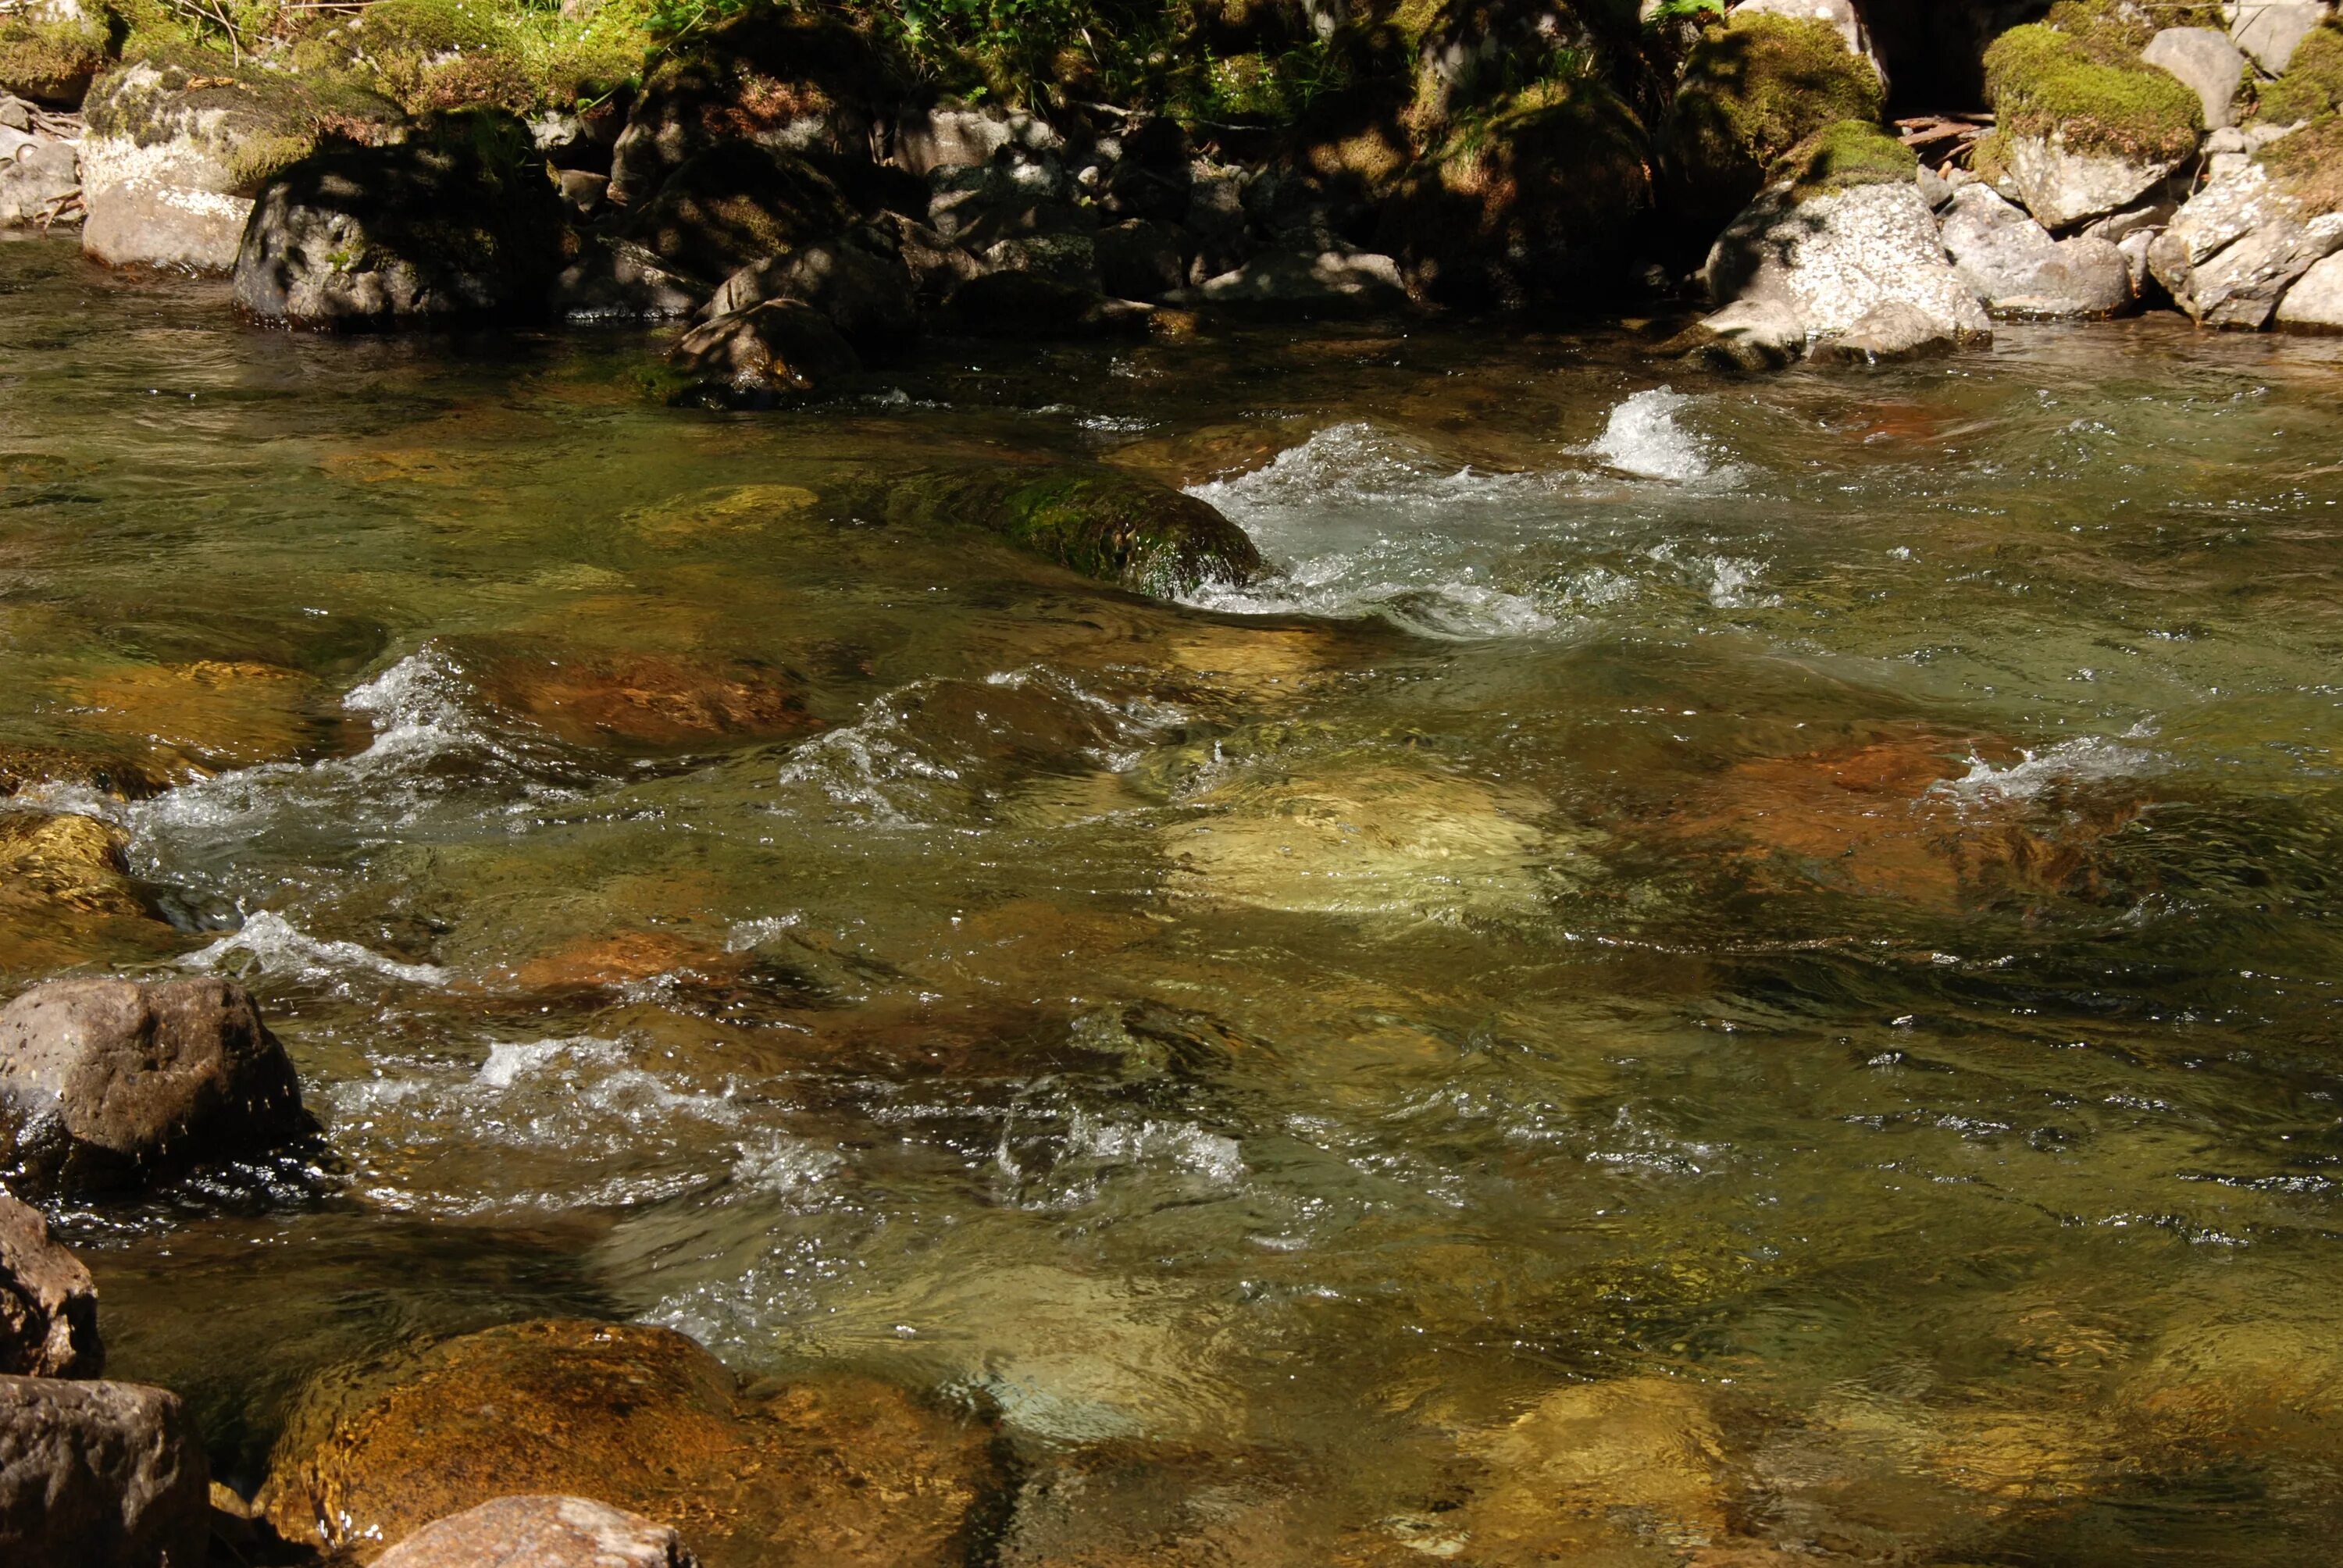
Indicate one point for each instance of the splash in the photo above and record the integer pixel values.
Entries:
(1643, 438)
(2087, 759)
(278, 947)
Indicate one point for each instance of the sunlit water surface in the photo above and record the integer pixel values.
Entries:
(1808, 902)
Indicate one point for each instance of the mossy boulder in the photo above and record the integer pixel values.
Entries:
(458, 222)
(1754, 90)
(439, 55)
(1843, 155)
(737, 203)
(1100, 522)
(2083, 126)
(2313, 84)
(51, 52)
(1543, 201)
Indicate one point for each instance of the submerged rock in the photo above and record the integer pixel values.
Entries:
(2017, 269)
(67, 861)
(542, 1533)
(646, 702)
(107, 1082)
(221, 713)
(48, 1303)
(100, 1475)
(836, 1469)
(781, 350)
(458, 222)
(1101, 522)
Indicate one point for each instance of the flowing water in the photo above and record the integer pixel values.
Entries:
(1711, 963)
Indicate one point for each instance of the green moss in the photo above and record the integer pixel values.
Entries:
(2312, 83)
(1841, 157)
(49, 61)
(2043, 81)
(1758, 87)
(2309, 163)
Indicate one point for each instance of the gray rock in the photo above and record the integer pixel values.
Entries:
(39, 179)
(450, 226)
(2018, 270)
(2135, 247)
(541, 1533)
(1298, 284)
(1935, 188)
(1831, 259)
(100, 1475)
(15, 114)
(866, 297)
(965, 136)
(2270, 30)
(1747, 335)
(1890, 330)
(107, 1082)
(780, 350)
(1070, 258)
(1142, 259)
(2233, 251)
(2314, 303)
(617, 280)
(981, 206)
(2062, 187)
(48, 1303)
(2211, 66)
(2227, 139)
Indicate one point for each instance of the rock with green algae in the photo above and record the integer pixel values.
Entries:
(1103, 523)
(2313, 84)
(2083, 126)
(458, 222)
(833, 1470)
(50, 51)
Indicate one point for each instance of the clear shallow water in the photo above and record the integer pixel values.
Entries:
(1716, 965)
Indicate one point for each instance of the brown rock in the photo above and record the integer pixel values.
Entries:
(647, 700)
(99, 1476)
(48, 1305)
(106, 1081)
(542, 1533)
(783, 349)
(226, 713)
(834, 1472)
(67, 860)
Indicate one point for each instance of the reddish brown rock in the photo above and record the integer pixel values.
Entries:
(542, 1533)
(648, 701)
(100, 1475)
(835, 1471)
(48, 1303)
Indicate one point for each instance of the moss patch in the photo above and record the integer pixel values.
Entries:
(2043, 81)
(1841, 157)
(51, 62)
(2309, 163)
(2312, 83)
(1753, 91)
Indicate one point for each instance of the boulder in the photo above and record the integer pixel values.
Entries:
(2238, 245)
(1028, 305)
(865, 294)
(1140, 258)
(2315, 304)
(1832, 258)
(636, 701)
(1010, 197)
(834, 1470)
(50, 50)
(105, 1082)
(1891, 330)
(618, 279)
(40, 180)
(1840, 16)
(2062, 185)
(458, 223)
(48, 1303)
(173, 157)
(935, 265)
(1292, 286)
(100, 1475)
(2018, 270)
(1747, 335)
(1100, 522)
(2211, 66)
(961, 136)
(541, 1533)
(1154, 177)
(2079, 135)
(2270, 30)
(735, 203)
(1068, 257)
(782, 350)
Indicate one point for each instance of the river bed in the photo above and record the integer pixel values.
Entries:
(1787, 924)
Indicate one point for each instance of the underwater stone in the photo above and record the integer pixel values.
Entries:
(542, 1533)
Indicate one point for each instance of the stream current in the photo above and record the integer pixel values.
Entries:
(1708, 965)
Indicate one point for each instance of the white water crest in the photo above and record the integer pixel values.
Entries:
(273, 945)
(1645, 437)
(2086, 759)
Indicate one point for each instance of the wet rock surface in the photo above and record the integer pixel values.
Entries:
(48, 1303)
(106, 1474)
(781, 350)
(828, 1471)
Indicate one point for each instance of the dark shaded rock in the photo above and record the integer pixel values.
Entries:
(866, 293)
(107, 1082)
(1030, 305)
(459, 221)
(956, 134)
(99, 1476)
(616, 279)
(735, 203)
(1014, 196)
(836, 1469)
(1151, 178)
(1142, 259)
(1747, 335)
(48, 1305)
(1101, 522)
(935, 265)
(1293, 286)
(542, 1533)
(781, 350)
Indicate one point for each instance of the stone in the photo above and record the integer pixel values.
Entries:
(959, 136)
(1840, 16)
(1891, 330)
(643, 701)
(1560, 1477)
(100, 1475)
(40, 182)
(2314, 303)
(2270, 30)
(830, 1469)
(1747, 335)
(2018, 270)
(1028, 305)
(865, 294)
(107, 1082)
(616, 279)
(172, 156)
(541, 1533)
(2204, 59)
(781, 350)
(219, 713)
(2062, 186)
(1286, 284)
(2237, 245)
(69, 860)
(1833, 259)
(935, 265)
(737, 203)
(458, 223)
(48, 1303)
(1012, 197)
(1068, 257)
(1140, 258)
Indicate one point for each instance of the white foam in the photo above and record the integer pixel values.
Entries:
(1643, 438)
(280, 948)
(2086, 760)
(1183, 1145)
